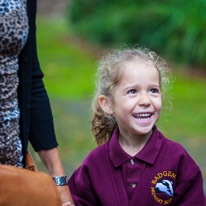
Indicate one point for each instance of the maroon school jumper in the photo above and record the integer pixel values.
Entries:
(162, 173)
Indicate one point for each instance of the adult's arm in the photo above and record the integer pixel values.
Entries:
(42, 135)
(52, 161)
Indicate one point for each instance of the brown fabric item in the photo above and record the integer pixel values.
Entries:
(22, 187)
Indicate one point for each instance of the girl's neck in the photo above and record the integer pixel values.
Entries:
(132, 145)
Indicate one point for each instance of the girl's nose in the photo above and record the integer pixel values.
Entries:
(144, 100)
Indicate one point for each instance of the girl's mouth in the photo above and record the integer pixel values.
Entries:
(143, 116)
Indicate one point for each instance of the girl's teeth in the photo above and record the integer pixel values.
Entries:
(143, 115)
(144, 119)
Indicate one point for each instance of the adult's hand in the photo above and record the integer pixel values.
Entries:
(65, 195)
(52, 161)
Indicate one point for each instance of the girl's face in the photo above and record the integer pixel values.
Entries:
(137, 100)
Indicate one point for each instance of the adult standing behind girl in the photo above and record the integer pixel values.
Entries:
(25, 113)
(134, 163)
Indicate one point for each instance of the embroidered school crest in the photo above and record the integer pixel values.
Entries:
(162, 187)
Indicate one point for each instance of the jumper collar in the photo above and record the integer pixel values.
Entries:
(148, 153)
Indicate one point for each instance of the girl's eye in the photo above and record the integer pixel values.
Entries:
(154, 91)
(132, 91)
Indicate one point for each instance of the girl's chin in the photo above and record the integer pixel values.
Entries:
(144, 131)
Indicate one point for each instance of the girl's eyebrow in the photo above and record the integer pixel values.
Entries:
(131, 87)
(155, 85)
(138, 85)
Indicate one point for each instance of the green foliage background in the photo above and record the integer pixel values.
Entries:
(175, 28)
(69, 75)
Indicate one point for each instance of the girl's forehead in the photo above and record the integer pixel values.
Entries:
(137, 71)
(137, 64)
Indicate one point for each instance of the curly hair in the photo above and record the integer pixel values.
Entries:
(109, 72)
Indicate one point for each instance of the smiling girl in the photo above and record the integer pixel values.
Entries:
(134, 164)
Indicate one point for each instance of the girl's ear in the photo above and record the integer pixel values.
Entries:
(105, 104)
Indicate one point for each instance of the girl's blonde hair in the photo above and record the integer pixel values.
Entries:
(108, 75)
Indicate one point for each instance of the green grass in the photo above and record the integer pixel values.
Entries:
(68, 69)
(188, 107)
(69, 74)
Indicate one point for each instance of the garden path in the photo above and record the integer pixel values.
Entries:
(52, 7)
